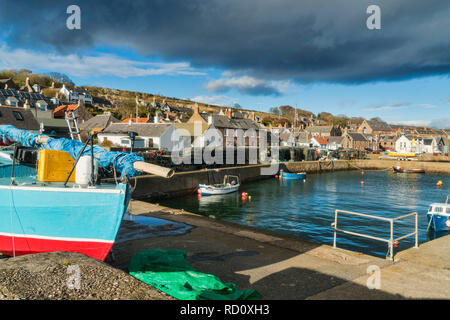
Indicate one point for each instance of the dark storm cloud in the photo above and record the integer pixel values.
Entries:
(304, 40)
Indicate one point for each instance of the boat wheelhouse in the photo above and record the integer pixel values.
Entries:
(439, 216)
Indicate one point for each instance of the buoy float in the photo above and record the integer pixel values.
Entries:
(199, 191)
(439, 183)
(244, 196)
(362, 172)
(362, 182)
(396, 243)
(447, 223)
(250, 198)
(276, 176)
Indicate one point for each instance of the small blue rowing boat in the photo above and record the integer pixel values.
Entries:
(293, 176)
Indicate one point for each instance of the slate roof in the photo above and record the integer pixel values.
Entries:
(357, 136)
(337, 140)
(28, 123)
(99, 121)
(221, 121)
(142, 129)
(320, 129)
(21, 96)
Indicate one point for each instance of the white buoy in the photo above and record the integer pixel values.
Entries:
(83, 173)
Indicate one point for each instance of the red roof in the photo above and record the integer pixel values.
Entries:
(139, 120)
(60, 111)
(321, 140)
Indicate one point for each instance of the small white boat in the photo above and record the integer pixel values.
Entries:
(439, 216)
(230, 184)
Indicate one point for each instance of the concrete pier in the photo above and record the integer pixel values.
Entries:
(281, 267)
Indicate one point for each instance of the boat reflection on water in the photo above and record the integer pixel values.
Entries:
(230, 199)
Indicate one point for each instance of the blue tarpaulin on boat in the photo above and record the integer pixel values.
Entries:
(122, 161)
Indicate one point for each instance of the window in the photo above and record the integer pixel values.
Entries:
(448, 210)
(18, 115)
(438, 209)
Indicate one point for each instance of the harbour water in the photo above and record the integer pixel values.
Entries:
(305, 209)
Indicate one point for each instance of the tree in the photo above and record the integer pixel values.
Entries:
(275, 111)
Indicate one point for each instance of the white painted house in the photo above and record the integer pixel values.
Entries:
(75, 94)
(149, 135)
(404, 144)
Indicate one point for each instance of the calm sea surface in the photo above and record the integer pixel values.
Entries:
(306, 209)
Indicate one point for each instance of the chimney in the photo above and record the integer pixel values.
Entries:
(26, 105)
(196, 108)
(6, 86)
(53, 85)
(228, 113)
(252, 116)
(27, 84)
(156, 119)
(210, 118)
(167, 116)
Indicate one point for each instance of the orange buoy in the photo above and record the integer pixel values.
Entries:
(439, 183)
(362, 182)
(396, 243)
(447, 223)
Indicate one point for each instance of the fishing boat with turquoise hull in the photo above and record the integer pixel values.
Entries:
(60, 206)
(292, 176)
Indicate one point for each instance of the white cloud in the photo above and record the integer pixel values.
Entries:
(428, 106)
(443, 123)
(380, 107)
(83, 66)
(247, 85)
(216, 100)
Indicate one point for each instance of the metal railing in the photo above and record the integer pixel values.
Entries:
(391, 241)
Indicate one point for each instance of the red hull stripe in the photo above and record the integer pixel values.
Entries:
(22, 245)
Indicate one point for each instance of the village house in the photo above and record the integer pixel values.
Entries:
(335, 142)
(233, 130)
(387, 142)
(355, 140)
(77, 110)
(18, 117)
(149, 135)
(15, 98)
(75, 94)
(193, 134)
(303, 139)
(324, 131)
(319, 143)
(374, 127)
(98, 123)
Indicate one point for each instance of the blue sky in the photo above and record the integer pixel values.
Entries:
(321, 60)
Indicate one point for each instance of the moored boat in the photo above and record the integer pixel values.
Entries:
(398, 169)
(58, 213)
(439, 216)
(230, 184)
(292, 176)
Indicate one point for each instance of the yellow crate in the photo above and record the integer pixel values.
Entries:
(55, 166)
